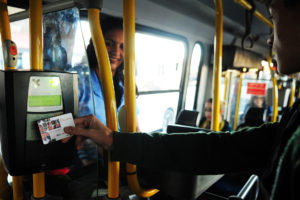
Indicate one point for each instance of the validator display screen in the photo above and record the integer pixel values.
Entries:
(44, 94)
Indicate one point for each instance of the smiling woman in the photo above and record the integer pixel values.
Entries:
(113, 34)
(112, 29)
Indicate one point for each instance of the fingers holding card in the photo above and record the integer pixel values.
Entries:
(52, 129)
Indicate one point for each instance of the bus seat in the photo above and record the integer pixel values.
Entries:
(188, 117)
(177, 128)
(177, 185)
(254, 117)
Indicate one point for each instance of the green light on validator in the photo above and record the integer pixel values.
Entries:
(54, 82)
(44, 100)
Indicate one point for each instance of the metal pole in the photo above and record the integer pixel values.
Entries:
(38, 180)
(257, 14)
(236, 117)
(130, 95)
(293, 91)
(5, 26)
(275, 90)
(217, 64)
(35, 31)
(36, 63)
(109, 94)
(6, 35)
(226, 85)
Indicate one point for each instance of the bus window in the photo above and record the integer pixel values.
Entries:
(194, 71)
(159, 63)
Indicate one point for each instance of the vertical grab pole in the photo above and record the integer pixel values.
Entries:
(293, 91)
(275, 89)
(4, 26)
(226, 84)
(109, 94)
(36, 63)
(35, 32)
(236, 116)
(17, 187)
(6, 35)
(129, 83)
(38, 180)
(217, 64)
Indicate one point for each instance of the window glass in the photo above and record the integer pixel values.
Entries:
(159, 63)
(192, 84)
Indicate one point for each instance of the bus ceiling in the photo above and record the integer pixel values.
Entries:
(196, 16)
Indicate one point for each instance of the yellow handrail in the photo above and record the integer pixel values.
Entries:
(4, 22)
(109, 94)
(6, 35)
(236, 116)
(226, 85)
(217, 64)
(275, 90)
(36, 63)
(293, 91)
(5, 26)
(17, 187)
(130, 95)
(257, 14)
(35, 31)
(38, 180)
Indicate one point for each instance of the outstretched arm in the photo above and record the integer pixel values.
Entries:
(197, 153)
(89, 126)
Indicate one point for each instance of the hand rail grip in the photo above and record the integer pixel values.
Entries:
(129, 83)
(109, 94)
(257, 14)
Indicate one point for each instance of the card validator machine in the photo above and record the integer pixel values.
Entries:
(28, 96)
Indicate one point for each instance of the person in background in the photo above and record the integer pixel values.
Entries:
(206, 121)
(254, 117)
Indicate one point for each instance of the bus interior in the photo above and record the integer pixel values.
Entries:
(175, 44)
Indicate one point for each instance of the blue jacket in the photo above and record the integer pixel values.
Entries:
(86, 103)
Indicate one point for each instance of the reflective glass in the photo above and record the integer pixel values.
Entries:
(159, 63)
(192, 84)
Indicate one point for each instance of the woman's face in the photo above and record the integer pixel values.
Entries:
(208, 111)
(259, 101)
(114, 44)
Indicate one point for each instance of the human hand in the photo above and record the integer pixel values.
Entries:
(89, 126)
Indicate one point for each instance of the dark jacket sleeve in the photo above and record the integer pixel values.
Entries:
(198, 153)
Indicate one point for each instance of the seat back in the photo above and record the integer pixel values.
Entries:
(188, 118)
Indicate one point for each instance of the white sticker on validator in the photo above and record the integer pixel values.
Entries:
(52, 129)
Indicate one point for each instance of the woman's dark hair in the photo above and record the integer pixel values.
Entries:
(210, 100)
(109, 24)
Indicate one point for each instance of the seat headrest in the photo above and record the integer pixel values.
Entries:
(188, 118)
